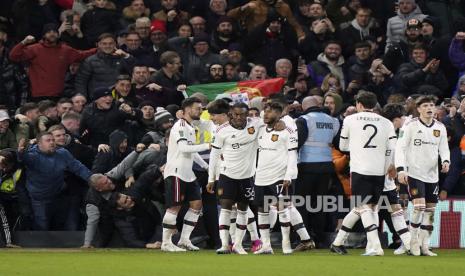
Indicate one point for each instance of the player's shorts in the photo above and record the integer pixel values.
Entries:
(367, 186)
(420, 189)
(264, 193)
(403, 189)
(238, 190)
(392, 197)
(178, 191)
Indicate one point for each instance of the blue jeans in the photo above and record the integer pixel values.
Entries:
(49, 214)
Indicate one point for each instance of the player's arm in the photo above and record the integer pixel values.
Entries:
(199, 160)
(215, 153)
(401, 150)
(444, 151)
(180, 136)
(291, 170)
(345, 136)
(390, 150)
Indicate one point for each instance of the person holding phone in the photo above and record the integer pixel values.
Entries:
(70, 30)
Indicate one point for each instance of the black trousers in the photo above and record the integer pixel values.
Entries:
(125, 225)
(312, 186)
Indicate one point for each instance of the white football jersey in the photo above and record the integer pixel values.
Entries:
(290, 122)
(182, 151)
(238, 149)
(277, 156)
(370, 139)
(419, 148)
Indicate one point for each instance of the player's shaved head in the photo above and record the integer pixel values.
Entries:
(238, 115)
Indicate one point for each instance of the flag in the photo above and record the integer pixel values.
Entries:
(239, 91)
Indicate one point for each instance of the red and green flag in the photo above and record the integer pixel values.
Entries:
(243, 90)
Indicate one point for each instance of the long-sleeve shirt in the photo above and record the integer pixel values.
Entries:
(418, 147)
(46, 172)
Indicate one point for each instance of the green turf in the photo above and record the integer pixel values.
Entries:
(144, 262)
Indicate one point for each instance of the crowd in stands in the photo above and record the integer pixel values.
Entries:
(92, 87)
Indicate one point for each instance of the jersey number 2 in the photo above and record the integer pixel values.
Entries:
(375, 130)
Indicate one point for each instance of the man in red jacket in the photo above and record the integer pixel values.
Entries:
(48, 62)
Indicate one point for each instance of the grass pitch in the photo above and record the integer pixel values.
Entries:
(47, 262)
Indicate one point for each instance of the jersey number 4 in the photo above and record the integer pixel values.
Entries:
(375, 131)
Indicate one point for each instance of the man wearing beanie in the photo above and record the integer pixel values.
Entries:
(223, 35)
(48, 61)
(199, 60)
(103, 116)
(159, 39)
(163, 120)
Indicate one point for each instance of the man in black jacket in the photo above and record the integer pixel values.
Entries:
(103, 68)
(421, 75)
(103, 116)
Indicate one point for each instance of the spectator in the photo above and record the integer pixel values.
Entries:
(70, 30)
(133, 46)
(122, 91)
(320, 33)
(71, 122)
(46, 165)
(48, 115)
(198, 24)
(69, 88)
(140, 79)
(421, 75)
(363, 26)
(360, 63)
(143, 27)
(185, 30)
(102, 117)
(198, 59)
(333, 102)
(159, 42)
(255, 13)
(13, 80)
(395, 32)
(330, 61)
(75, 186)
(271, 41)
(14, 201)
(309, 11)
(98, 20)
(102, 69)
(216, 73)
(7, 137)
(171, 15)
(398, 53)
(223, 35)
(48, 62)
(105, 161)
(79, 101)
(283, 70)
(381, 81)
(217, 9)
(64, 105)
(134, 11)
(26, 126)
(258, 72)
(163, 121)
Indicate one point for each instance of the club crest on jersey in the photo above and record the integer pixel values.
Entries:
(436, 132)
(251, 130)
(274, 137)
